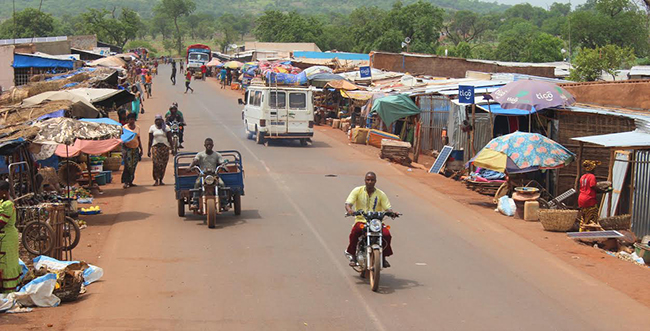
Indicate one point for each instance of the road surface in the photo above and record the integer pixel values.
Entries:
(280, 265)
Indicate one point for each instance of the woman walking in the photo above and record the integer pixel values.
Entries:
(160, 141)
(135, 104)
(131, 153)
(10, 270)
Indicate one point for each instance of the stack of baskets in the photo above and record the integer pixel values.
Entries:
(558, 220)
(113, 163)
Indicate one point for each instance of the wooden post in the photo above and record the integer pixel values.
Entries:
(632, 181)
(612, 159)
(418, 143)
(579, 167)
(473, 128)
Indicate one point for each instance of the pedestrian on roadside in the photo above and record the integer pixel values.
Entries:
(204, 71)
(10, 269)
(229, 77)
(587, 198)
(173, 77)
(188, 79)
(160, 142)
(181, 66)
(131, 152)
(148, 83)
(222, 75)
(135, 104)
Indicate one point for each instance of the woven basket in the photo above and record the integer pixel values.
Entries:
(112, 163)
(558, 220)
(620, 222)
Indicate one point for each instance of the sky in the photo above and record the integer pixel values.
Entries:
(539, 3)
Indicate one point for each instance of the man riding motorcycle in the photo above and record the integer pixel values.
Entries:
(175, 115)
(206, 160)
(367, 198)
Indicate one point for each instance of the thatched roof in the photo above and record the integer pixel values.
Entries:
(14, 115)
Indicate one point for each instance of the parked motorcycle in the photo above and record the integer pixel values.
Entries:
(176, 128)
(370, 246)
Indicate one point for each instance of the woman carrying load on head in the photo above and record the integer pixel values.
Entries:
(587, 198)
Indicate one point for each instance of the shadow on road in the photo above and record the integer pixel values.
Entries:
(389, 284)
(226, 219)
(131, 216)
(296, 144)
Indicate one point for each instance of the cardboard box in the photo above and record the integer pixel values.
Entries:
(345, 127)
(336, 123)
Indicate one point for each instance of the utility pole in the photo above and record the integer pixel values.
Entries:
(570, 49)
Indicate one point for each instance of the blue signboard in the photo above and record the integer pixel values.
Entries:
(465, 94)
(365, 72)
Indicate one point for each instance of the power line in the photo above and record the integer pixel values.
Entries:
(38, 18)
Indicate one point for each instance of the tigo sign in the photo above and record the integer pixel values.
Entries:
(365, 72)
(465, 94)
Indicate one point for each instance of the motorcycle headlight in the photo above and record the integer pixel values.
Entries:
(175, 127)
(209, 180)
(375, 225)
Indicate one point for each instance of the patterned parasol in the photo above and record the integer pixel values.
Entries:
(529, 94)
(522, 152)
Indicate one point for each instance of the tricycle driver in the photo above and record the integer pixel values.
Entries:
(207, 160)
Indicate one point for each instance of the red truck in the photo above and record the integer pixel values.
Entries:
(196, 56)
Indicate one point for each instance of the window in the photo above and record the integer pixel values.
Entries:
(258, 98)
(297, 101)
(278, 100)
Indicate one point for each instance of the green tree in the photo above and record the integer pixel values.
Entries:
(175, 10)
(465, 26)
(160, 23)
(420, 21)
(590, 63)
(109, 27)
(28, 23)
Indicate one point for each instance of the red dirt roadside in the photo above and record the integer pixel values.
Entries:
(621, 275)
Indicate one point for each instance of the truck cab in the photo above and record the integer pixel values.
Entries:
(278, 113)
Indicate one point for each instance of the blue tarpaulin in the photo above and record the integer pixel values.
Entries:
(497, 110)
(58, 113)
(34, 61)
(340, 56)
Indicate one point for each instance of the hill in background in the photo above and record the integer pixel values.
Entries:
(144, 7)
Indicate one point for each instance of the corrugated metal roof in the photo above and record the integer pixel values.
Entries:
(635, 138)
(642, 115)
(640, 71)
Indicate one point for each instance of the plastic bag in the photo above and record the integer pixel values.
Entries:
(7, 301)
(38, 292)
(91, 274)
(23, 269)
(507, 206)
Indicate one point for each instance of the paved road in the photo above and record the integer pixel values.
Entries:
(280, 266)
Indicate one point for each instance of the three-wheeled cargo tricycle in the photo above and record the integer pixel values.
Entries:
(219, 190)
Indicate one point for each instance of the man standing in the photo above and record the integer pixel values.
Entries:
(367, 198)
(222, 76)
(204, 71)
(173, 78)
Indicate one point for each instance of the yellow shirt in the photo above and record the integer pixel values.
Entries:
(359, 199)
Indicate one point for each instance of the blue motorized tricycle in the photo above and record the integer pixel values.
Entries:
(219, 190)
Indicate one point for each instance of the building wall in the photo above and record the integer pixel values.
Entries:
(86, 42)
(54, 48)
(573, 125)
(6, 70)
(446, 66)
(625, 94)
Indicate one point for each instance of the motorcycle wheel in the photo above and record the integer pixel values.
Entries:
(237, 203)
(71, 233)
(181, 208)
(375, 262)
(38, 238)
(211, 212)
(174, 145)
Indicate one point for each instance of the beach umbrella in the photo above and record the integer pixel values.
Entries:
(213, 63)
(233, 65)
(528, 94)
(520, 152)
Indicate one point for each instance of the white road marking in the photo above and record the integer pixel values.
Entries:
(344, 272)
